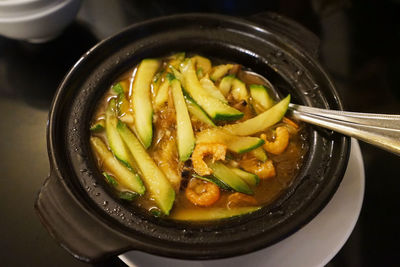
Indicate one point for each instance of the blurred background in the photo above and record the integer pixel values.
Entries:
(359, 48)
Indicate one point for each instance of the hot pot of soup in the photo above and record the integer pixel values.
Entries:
(160, 141)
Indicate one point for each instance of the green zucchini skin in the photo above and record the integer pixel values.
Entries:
(98, 127)
(156, 182)
(117, 88)
(124, 176)
(197, 111)
(214, 107)
(249, 178)
(114, 139)
(260, 95)
(228, 177)
(110, 179)
(184, 129)
(243, 144)
(141, 99)
(214, 180)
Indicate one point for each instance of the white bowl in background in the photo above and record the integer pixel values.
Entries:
(36, 20)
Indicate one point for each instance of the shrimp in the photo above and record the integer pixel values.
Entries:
(263, 170)
(217, 151)
(279, 144)
(202, 193)
(290, 122)
(240, 200)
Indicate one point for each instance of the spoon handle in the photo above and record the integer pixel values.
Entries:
(371, 119)
(379, 130)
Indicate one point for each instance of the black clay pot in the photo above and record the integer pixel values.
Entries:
(75, 204)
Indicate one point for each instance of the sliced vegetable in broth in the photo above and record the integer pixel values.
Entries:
(187, 139)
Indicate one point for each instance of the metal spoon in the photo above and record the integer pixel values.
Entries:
(381, 130)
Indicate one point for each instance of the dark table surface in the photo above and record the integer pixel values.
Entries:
(359, 49)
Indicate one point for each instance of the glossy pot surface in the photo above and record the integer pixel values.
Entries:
(76, 205)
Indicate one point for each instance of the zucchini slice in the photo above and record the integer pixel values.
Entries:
(260, 95)
(176, 58)
(237, 88)
(202, 64)
(125, 177)
(210, 213)
(249, 178)
(162, 94)
(229, 177)
(197, 111)
(110, 179)
(143, 109)
(243, 144)
(127, 196)
(209, 86)
(262, 121)
(237, 144)
(219, 71)
(174, 63)
(156, 82)
(157, 184)
(176, 73)
(184, 130)
(98, 126)
(178, 55)
(121, 87)
(215, 108)
(225, 84)
(123, 105)
(213, 180)
(114, 139)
